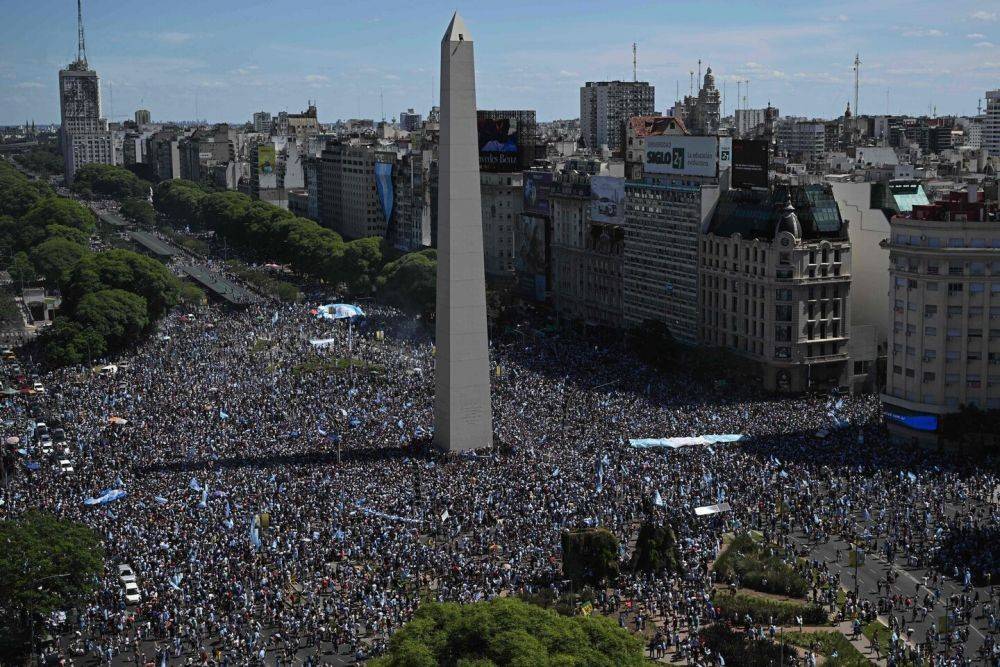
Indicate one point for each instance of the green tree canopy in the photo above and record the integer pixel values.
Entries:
(17, 193)
(410, 282)
(139, 211)
(43, 161)
(507, 631)
(67, 343)
(21, 270)
(69, 233)
(45, 564)
(656, 549)
(117, 315)
(179, 199)
(105, 180)
(61, 211)
(55, 257)
(124, 269)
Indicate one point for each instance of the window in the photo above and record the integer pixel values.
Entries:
(930, 311)
(955, 288)
(954, 242)
(928, 376)
(976, 288)
(909, 372)
(898, 370)
(930, 331)
(932, 287)
(955, 269)
(951, 378)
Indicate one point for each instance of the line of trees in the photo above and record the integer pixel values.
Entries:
(110, 298)
(105, 181)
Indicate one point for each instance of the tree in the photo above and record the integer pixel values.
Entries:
(361, 263)
(410, 282)
(656, 549)
(108, 181)
(124, 269)
(179, 199)
(507, 631)
(21, 270)
(590, 556)
(61, 211)
(55, 257)
(44, 161)
(139, 211)
(192, 295)
(68, 233)
(17, 193)
(66, 343)
(46, 564)
(117, 315)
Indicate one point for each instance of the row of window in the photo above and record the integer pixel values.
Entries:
(939, 242)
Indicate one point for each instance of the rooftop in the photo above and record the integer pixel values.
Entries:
(756, 213)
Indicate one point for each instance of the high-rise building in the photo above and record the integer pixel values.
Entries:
(463, 415)
(944, 287)
(991, 124)
(605, 107)
(502, 201)
(413, 211)
(348, 199)
(665, 213)
(142, 117)
(262, 121)
(803, 140)
(410, 120)
(83, 134)
(752, 123)
(774, 283)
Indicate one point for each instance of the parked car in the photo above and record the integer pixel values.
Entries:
(38, 387)
(66, 466)
(58, 435)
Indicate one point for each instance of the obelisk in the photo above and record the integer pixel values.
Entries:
(463, 416)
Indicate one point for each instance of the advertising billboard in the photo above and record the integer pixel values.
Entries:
(499, 148)
(682, 155)
(749, 163)
(537, 187)
(609, 199)
(725, 153)
(266, 163)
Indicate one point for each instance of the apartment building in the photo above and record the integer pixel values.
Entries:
(605, 107)
(944, 287)
(503, 202)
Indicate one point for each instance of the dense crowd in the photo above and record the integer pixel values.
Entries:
(280, 504)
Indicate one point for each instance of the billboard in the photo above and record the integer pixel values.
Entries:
(749, 163)
(682, 155)
(609, 199)
(499, 148)
(537, 187)
(725, 153)
(266, 176)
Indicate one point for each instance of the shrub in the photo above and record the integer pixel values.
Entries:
(739, 650)
(759, 570)
(590, 556)
(763, 610)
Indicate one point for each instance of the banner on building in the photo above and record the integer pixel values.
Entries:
(537, 188)
(682, 155)
(499, 148)
(530, 259)
(725, 153)
(383, 184)
(266, 166)
(749, 163)
(609, 199)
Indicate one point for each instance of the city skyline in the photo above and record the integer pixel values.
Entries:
(223, 62)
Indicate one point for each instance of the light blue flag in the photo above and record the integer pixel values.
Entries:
(658, 499)
(223, 414)
(194, 484)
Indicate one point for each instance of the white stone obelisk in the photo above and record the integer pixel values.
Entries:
(463, 416)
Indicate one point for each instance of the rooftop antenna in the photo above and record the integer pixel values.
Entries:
(979, 107)
(635, 69)
(747, 105)
(886, 101)
(857, 77)
(111, 101)
(81, 46)
(677, 90)
(691, 83)
(699, 71)
(739, 92)
(381, 104)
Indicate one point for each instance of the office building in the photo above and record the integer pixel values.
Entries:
(750, 123)
(84, 136)
(413, 213)
(262, 122)
(804, 141)
(944, 286)
(410, 121)
(774, 283)
(991, 124)
(606, 106)
(348, 200)
(502, 201)
(665, 213)
(588, 240)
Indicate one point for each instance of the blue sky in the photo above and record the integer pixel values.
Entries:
(231, 58)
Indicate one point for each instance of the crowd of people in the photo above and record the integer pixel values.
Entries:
(281, 503)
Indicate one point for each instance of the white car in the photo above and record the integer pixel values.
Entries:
(65, 466)
(132, 593)
(125, 574)
(46, 448)
(38, 387)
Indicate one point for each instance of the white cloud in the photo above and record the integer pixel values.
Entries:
(568, 74)
(976, 35)
(984, 45)
(30, 85)
(921, 32)
(983, 15)
(316, 78)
